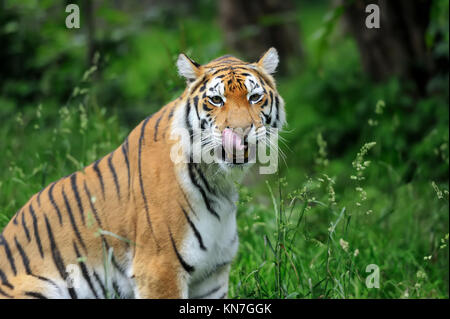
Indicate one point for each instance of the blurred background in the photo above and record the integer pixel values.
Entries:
(69, 96)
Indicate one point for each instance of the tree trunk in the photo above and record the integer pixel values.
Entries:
(253, 26)
(90, 30)
(398, 46)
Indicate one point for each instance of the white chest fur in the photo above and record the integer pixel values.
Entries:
(211, 241)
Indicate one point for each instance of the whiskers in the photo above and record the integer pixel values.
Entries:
(270, 136)
(208, 140)
(281, 138)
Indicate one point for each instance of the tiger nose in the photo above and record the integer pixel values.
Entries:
(239, 118)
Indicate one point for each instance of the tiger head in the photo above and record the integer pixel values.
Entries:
(235, 105)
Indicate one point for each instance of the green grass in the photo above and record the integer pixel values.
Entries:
(309, 231)
(315, 243)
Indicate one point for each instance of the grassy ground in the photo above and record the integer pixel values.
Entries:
(344, 199)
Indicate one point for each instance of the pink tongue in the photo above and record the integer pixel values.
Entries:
(231, 140)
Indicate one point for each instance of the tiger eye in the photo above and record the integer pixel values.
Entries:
(255, 98)
(216, 99)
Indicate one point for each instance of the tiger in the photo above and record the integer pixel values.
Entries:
(137, 223)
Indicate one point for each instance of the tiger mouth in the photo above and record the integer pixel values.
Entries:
(236, 157)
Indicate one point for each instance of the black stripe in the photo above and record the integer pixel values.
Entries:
(115, 264)
(114, 174)
(223, 57)
(8, 254)
(189, 127)
(188, 112)
(202, 192)
(231, 68)
(264, 80)
(198, 84)
(25, 228)
(56, 256)
(277, 111)
(192, 61)
(228, 62)
(203, 178)
(168, 120)
(45, 279)
(141, 182)
(261, 79)
(72, 219)
(203, 126)
(223, 296)
(52, 200)
(4, 293)
(265, 103)
(99, 222)
(208, 293)
(26, 264)
(73, 183)
(267, 118)
(23, 255)
(125, 155)
(171, 113)
(99, 176)
(84, 271)
(94, 210)
(185, 265)
(220, 70)
(155, 136)
(271, 103)
(35, 294)
(36, 230)
(39, 197)
(196, 106)
(55, 251)
(100, 283)
(263, 106)
(15, 217)
(196, 232)
(206, 108)
(5, 281)
(116, 289)
(186, 199)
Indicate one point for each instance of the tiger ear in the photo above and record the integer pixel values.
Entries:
(269, 60)
(187, 67)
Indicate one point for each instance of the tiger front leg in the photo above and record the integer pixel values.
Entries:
(160, 278)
